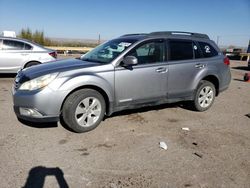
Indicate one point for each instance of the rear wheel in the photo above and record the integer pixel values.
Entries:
(204, 97)
(83, 110)
(32, 63)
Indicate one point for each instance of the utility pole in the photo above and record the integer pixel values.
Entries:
(218, 38)
(99, 39)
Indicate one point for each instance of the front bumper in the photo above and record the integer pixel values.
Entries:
(46, 104)
(42, 119)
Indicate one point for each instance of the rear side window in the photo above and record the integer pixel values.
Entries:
(27, 46)
(207, 49)
(180, 50)
(197, 51)
(12, 45)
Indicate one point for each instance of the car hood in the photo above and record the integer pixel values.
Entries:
(56, 66)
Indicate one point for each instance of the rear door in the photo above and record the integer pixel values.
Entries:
(12, 55)
(146, 81)
(183, 67)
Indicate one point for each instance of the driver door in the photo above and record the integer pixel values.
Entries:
(146, 81)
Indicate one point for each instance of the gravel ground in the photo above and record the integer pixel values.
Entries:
(124, 150)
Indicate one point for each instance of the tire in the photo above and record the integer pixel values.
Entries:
(204, 96)
(32, 63)
(246, 77)
(78, 111)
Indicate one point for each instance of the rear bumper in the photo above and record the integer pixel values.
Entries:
(225, 80)
(223, 88)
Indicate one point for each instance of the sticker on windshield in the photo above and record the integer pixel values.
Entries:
(125, 44)
(207, 49)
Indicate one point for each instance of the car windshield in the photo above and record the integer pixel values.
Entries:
(108, 51)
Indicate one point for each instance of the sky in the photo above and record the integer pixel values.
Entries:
(225, 20)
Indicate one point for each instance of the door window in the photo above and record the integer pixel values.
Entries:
(149, 52)
(180, 50)
(12, 45)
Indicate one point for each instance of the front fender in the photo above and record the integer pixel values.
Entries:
(106, 84)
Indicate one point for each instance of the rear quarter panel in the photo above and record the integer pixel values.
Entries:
(184, 77)
(214, 67)
(41, 57)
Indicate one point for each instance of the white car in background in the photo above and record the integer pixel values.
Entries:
(19, 53)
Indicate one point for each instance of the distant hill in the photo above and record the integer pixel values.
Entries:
(73, 40)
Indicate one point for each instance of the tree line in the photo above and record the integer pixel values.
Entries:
(39, 37)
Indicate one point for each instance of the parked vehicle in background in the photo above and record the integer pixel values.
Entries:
(19, 53)
(233, 53)
(128, 72)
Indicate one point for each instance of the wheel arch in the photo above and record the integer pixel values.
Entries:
(214, 80)
(31, 61)
(96, 88)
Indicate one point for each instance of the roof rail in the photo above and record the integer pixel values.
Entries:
(133, 34)
(169, 33)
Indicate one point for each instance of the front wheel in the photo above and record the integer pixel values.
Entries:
(204, 96)
(83, 110)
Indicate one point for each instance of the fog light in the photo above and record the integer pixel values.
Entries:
(30, 112)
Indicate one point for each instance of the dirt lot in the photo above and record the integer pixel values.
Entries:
(124, 150)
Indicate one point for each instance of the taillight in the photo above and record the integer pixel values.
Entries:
(53, 54)
(226, 61)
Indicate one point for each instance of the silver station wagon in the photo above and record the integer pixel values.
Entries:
(128, 72)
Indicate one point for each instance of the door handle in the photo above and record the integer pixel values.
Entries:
(161, 70)
(24, 54)
(200, 66)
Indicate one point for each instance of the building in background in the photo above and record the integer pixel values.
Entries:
(9, 34)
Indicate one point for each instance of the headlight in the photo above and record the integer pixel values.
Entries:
(39, 82)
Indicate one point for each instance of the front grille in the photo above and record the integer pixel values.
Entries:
(20, 78)
(17, 79)
(16, 85)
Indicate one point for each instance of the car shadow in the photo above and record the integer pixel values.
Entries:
(7, 75)
(239, 80)
(38, 174)
(64, 125)
(242, 68)
(184, 105)
(38, 124)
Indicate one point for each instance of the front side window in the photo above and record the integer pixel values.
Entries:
(149, 52)
(207, 50)
(108, 51)
(180, 50)
(12, 45)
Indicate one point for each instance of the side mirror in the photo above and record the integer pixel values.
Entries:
(130, 60)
